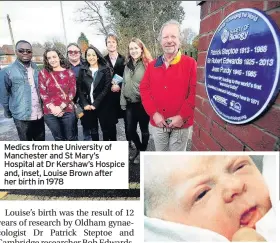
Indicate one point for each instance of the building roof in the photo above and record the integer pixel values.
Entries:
(8, 50)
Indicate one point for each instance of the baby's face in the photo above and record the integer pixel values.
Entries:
(219, 193)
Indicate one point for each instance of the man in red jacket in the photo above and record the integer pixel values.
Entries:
(168, 92)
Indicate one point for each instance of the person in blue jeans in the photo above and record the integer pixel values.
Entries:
(57, 85)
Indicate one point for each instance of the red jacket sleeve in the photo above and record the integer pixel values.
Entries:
(43, 89)
(146, 92)
(188, 106)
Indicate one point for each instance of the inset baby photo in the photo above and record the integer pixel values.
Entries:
(223, 197)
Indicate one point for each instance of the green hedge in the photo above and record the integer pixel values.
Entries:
(40, 66)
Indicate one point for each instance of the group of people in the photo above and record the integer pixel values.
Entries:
(161, 91)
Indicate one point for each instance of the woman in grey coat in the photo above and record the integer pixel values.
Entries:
(137, 61)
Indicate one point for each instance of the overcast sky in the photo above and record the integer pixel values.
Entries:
(39, 21)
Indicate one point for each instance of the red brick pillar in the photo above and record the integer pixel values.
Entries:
(210, 131)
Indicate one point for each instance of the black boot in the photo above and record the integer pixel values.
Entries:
(145, 141)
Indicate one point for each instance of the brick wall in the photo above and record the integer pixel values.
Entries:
(211, 132)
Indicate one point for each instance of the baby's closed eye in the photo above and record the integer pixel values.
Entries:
(202, 194)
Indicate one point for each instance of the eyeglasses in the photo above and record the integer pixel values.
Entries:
(28, 51)
(73, 52)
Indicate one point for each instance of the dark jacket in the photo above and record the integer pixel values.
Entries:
(115, 96)
(102, 85)
(119, 65)
(76, 70)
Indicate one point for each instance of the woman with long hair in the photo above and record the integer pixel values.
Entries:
(137, 61)
(57, 87)
(93, 86)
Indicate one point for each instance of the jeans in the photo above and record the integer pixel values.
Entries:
(135, 114)
(62, 128)
(30, 130)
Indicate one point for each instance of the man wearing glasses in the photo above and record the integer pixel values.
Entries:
(19, 94)
(75, 58)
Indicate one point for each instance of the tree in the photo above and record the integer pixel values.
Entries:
(188, 38)
(37, 44)
(188, 35)
(48, 44)
(195, 42)
(57, 44)
(83, 42)
(60, 46)
(192, 49)
(128, 19)
(142, 19)
(195, 46)
(92, 14)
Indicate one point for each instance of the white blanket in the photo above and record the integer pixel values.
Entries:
(165, 231)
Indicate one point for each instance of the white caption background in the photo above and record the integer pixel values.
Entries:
(64, 165)
(66, 221)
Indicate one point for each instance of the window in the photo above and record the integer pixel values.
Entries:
(3, 58)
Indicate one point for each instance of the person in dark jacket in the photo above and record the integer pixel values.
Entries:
(117, 63)
(93, 86)
(74, 56)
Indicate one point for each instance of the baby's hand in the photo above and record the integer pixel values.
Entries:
(247, 234)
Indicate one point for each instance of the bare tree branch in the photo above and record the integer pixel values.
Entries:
(92, 14)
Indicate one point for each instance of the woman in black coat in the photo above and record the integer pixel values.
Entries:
(93, 86)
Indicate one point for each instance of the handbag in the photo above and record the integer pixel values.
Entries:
(79, 112)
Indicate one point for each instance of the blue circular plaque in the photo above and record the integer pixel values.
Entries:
(242, 66)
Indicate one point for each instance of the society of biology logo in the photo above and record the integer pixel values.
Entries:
(225, 35)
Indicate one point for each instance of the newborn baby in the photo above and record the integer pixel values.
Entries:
(219, 193)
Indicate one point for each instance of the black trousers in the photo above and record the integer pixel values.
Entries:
(135, 113)
(116, 113)
(90, 122)
(113, 131)
(30, 130)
